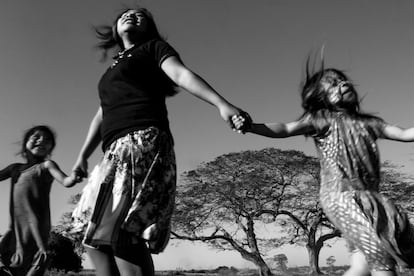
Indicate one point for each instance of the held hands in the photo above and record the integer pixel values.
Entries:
(77, 176)
(228, 112)
(242, 122)
(80, 169)
(74, 178)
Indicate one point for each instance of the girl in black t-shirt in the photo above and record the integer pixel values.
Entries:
(127, 205)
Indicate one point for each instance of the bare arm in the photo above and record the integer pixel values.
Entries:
(276, 130)
(6, 172)
(93, 138)
(397, 133)
(60, 176)
(194, 84)
(282, 130)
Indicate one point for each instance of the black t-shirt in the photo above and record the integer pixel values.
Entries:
(133, 91)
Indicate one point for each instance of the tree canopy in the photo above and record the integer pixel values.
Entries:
(224, 202)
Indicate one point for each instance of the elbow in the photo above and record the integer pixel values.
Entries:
(280, 133)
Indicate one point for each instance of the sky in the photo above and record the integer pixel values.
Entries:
(251, 51)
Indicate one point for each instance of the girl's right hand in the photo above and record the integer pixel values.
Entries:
(242, 122)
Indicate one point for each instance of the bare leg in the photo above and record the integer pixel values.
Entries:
(128, 269)
(135, 261)
(103, 261)
(359, 266)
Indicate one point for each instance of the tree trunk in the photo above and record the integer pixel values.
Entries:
(264, 270)
(313, 253)
(257, 259)
(261, 265)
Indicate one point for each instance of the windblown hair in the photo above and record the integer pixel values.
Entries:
(109, 38)
(46, 129)
(315, 100)
(314, 96)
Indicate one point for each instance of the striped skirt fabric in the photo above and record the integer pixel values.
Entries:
(373, 225)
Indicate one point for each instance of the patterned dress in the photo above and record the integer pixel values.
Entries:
(349, 194)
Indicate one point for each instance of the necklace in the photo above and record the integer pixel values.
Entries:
(121, 55)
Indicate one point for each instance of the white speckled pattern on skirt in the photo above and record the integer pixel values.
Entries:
(131, 191)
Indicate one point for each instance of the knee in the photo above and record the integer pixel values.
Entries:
(359, 265)
(103, 262)
(357, 271)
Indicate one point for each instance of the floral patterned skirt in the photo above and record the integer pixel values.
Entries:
(131, 193)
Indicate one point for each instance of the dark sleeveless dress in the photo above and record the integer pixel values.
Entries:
(30, 220)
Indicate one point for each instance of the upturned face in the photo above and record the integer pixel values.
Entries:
(131, 21)
(39, 144)
(339, 90)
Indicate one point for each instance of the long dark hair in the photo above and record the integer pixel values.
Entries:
(109, 39)
(46, 129)
(314, 96)
(315, 99)
(108, 35)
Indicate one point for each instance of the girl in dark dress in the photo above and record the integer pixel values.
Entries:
(23, 247)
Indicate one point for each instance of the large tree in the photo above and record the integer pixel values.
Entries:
(398, 186)
(306, 225)
(227, 201)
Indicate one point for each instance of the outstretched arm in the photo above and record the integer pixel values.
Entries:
(60, 176)
(281, 130)
(397, 133)
(193, 83)
(93, 138)
(6, 172)
(277, 130)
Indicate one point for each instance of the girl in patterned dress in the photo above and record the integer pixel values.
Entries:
(379, 234)
(129, 199)
(23, 248)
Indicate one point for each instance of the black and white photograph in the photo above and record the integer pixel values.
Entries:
(207, 137)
